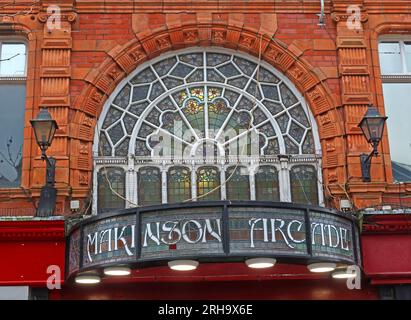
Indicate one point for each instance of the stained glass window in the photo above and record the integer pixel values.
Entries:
(175, 108)
(149, 186)
(208, 182)
(238, 183)
(178, 184)
(111, 189)
(304, 185)
(266, 184)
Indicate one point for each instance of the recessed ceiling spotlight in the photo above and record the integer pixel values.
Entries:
(321, 267)
(183, 265)
(260, 263)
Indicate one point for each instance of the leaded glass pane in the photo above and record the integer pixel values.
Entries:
(212, 75)
(122, 148)
(290, 146)
(172, 82)
(140, 93)
(267, 129)
(272, 147)
(149, 186)
(195, 59)
(196, 76)
(111, 189)
(282, 121)
(179, 97)
(246, 66)
(231, 96)
(239, 82)
(163, 67)
(228, 70)
(237, 183)
(138, 108)
(258, 116)
(145, 130)
(254, 90)
(129, 123)
(273, 107)
(112, 116)
(245, 104)
(194, 112)
(298, 114)
(173, 123)
(181, 70)
(266, 184)
(141, 148)
(270, 92)
(214, 59)
(116, 133)
(304, 187)
(213, 92)
(104, 145)
(239, 121)
(156, 90)
(145, 76)
(308, 145)
(296, 131)
(123, 98)
(217, 114)
(263, 75)
(154, 117)
(208, 184)
(287, 97)
(178, 184)
(166, 104)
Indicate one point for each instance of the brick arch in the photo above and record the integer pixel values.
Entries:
(124, 59)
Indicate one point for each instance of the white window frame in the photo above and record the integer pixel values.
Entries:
(397, 77)
(14, 40)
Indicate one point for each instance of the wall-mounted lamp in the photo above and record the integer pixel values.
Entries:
(44, 129)
(372, 126)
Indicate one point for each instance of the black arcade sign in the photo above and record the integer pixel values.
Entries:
(213, 231)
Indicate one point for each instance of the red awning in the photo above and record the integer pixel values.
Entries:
(29, 249)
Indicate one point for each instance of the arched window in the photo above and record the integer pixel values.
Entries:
(201, 108)
(266, 184)
(111, 189)
(149, 186)
(304, 185)
(178, 184)
(238, 183)
(208, 183)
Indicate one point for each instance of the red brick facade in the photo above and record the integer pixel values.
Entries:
(73, 70)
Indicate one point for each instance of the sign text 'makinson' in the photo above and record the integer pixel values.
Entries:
(178, 234)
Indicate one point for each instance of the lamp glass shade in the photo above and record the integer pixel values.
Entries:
(260, 263)
(87, 279)
(372, 125)
(322, 267)
(117, 271)
(183, 265)
(44, 128)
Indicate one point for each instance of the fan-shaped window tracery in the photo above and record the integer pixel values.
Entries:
(206, 108)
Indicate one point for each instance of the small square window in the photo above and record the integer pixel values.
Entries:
(12, 59)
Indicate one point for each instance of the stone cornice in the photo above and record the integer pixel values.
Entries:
(32, 229)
